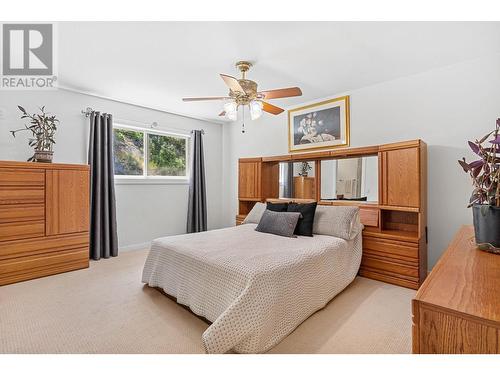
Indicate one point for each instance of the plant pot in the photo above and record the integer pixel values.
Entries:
(43, 156)
(487, 227)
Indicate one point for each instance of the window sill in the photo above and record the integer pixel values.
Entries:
(151, 181)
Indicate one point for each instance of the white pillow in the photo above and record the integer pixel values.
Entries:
(337, 221)
(255, 213)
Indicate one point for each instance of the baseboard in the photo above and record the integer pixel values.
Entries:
(135, 247)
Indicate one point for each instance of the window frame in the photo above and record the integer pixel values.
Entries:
(144, 178)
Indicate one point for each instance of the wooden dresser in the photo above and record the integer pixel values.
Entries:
(44, 219)
(304, 187)
(457, 309)
(395, 234)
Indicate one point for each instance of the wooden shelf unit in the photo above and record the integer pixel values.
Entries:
(394, 239)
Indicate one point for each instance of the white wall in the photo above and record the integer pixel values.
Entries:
(444, 107)
(144, 212)
(328, 179)
(370, 178)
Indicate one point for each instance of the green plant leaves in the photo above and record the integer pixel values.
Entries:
(42, 127)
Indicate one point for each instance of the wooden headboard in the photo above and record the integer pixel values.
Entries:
(395, 234)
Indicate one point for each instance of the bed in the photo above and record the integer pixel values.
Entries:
(254, 287)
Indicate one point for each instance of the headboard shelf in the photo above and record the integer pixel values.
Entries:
(394, 206)
(399, 208)
(349, 203)
(339, 153)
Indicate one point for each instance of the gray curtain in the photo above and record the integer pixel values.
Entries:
(197, 202)
(103, 236)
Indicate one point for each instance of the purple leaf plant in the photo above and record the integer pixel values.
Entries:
(485, 172)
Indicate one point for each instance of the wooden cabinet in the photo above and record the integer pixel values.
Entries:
(249, 178)
(65, 190)
(400, 172)
(44, 219)
(457, 309)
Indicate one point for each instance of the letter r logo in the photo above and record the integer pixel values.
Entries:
(27, 49)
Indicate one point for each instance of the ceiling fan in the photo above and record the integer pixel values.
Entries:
(243, 92)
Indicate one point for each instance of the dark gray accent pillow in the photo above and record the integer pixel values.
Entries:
(279, 223)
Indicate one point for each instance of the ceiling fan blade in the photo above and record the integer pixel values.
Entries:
(223, 113)
(205, 98)
(271, 108)
(281, 93)
(232, 83)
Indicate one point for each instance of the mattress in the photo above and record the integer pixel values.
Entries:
(254, 287)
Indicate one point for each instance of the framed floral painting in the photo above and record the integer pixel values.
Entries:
(319, 125)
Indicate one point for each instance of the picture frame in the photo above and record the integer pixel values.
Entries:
(319, 125)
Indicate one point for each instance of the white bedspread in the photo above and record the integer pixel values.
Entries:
(255, 287)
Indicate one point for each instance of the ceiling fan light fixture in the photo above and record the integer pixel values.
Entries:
(244, 92)
(231, 109)
(255, 109)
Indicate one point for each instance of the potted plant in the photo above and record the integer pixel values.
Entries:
(485, 198)
(42, 127)
(304, 169)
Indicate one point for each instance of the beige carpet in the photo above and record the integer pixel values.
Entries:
(106, 309)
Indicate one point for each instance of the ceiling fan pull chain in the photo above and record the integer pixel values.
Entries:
(243, 120)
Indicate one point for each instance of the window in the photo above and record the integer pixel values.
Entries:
(145, 154)
(128, 148)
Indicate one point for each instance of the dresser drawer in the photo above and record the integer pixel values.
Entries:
(22, 194)
(408, 282)
(390, 248)
(20, 230)
(24, 212)
(21, 177)
(384, 266)
(25, 268)
(368, 217)
(35, 246)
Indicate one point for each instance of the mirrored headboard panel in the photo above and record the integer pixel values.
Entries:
(350, 179)
(297, 180)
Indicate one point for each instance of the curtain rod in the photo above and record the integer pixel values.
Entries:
(87, 112)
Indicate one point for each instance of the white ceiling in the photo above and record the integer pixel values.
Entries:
(157, 63)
